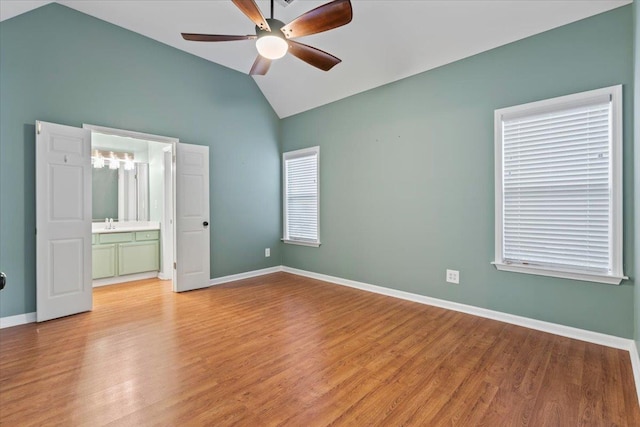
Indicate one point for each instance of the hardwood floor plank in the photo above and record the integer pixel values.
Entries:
(283, 350)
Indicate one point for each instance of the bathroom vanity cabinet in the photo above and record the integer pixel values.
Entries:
(122, 253)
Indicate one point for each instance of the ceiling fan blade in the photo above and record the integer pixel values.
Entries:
(260, 66)
(313, 56)
(250, 8)
(322, 18)
(215, 37)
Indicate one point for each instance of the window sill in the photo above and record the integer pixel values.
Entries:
(301, 243)
(564, 274)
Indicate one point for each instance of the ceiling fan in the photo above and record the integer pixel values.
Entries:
(273, 37)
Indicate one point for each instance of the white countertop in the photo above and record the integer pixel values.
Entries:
(120, 227)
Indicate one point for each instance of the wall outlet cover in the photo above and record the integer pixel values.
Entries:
(453, 276)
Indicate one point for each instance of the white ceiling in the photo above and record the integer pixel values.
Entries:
(387, 40)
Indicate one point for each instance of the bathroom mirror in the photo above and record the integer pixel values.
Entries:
(105, 194)
(121, 194)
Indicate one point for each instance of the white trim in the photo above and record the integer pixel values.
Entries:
(539, 325)
(124, 279)
(245, 275)
(130, 134)
(301, 243)
(564, 274)
(18, 319)
(296, 154)
(612, 93)
(635, 366)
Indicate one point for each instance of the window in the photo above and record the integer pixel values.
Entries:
(559, 187)
(301, 196)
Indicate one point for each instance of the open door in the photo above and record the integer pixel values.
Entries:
(192, 218)
(63, 221)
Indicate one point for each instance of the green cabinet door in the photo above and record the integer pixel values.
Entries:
(103, 261)
(138, 257)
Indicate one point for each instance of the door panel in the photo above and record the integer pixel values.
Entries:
(63, 221)
(61, 279)
(192, 217)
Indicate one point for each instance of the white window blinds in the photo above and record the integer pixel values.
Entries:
(556, 188)
(301, 196)
(559, 181)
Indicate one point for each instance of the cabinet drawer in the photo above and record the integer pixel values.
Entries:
(138, 257)
(115, 237)
(103, 263)
(147, 235)
(94, 239)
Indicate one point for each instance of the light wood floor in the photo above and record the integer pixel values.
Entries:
(286, 350)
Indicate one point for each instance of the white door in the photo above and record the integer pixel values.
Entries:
(192, 217)
(63, 221)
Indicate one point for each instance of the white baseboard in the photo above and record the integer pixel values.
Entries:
(246, 275)
(635, 365)
(124, 279)
(553, 328)
(18, 319)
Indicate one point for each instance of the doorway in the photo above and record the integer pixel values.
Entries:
(64, 238)
(132, 208)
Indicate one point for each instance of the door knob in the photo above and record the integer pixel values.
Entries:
(206, 224)
(3, 280)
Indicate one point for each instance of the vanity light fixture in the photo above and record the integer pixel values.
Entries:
(114, 163)
(102, 158)
(128, 163)
(98, 161)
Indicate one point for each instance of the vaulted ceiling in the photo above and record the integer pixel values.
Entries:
(387, 40)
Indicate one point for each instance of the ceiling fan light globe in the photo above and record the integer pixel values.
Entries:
(272, 47)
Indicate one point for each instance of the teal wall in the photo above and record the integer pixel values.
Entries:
(407, 176)
(61, 66)
(636, 133)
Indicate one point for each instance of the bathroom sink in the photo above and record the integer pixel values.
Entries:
(120, 227)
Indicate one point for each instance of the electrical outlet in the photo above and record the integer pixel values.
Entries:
(267, 252)
(453, 276)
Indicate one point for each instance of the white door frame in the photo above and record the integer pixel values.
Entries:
(155, 138)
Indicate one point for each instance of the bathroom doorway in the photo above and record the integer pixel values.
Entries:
(64, 238)
(132, 206)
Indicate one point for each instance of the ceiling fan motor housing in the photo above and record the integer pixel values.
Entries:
(275, 26)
